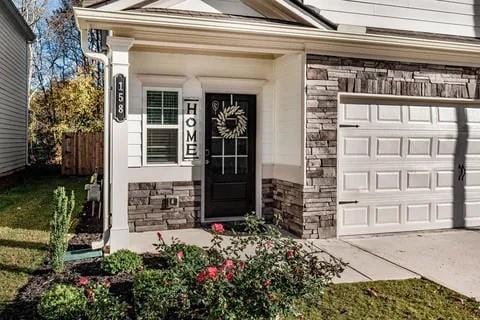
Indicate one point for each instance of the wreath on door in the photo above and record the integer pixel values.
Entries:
(229, 115)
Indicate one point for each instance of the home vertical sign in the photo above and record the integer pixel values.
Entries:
(191, 139)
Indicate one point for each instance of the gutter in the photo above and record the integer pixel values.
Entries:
(106, 136)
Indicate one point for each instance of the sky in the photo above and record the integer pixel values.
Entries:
(52, 4)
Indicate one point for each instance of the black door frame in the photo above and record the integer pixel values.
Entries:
(252, 159)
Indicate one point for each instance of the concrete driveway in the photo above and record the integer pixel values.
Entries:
(450, 258)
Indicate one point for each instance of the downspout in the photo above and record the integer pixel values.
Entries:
(103, 58)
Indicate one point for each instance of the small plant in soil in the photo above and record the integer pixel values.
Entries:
(59, 226)
(122, 261)
(62, 302)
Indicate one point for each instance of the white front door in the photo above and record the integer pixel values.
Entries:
(407, 166)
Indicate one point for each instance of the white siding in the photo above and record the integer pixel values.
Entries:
(288, 110)
(191, 67)
(279, 114)
(13, 95)
(455, 17)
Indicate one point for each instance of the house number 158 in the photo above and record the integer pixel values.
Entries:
(119, 111)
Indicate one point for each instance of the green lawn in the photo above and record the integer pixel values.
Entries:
(408, 299)
(24, 224)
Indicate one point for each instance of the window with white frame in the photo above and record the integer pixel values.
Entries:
(161, 126)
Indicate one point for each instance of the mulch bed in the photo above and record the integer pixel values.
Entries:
(88, 230)
(27, 299)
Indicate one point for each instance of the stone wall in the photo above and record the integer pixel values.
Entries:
(146, 206)
(267, 199)
(288, 205)
(326, 77)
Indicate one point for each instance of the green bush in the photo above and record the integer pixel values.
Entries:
(122, 261)
(59, 227)
(102, 305)
(62, 302)
(160, 295)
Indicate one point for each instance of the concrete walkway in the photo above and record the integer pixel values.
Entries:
(362, 265)
(450, 258)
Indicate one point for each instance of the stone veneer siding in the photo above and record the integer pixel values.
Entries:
(267, 199)
(326, 77)
(146, 210)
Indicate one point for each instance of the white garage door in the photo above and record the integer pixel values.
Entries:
(405, 167)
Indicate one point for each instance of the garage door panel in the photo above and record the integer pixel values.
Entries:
(389, 114)
(401, 165)
(419, 147)
(356, 181)
(447, 115)
(445, 179)
(388, 181)
(356, 146)
(389, 147)
(387, 215)
(419, 114)
(355, 216)
(444, 211)
(418, 213)
(357, 112)
(418, 180)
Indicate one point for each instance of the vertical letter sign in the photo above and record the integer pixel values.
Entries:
(191, 146)
(120, 107)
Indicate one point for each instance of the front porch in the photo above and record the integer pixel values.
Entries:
(212, 136)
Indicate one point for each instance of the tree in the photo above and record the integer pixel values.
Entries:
(66, 87)
(74, 105)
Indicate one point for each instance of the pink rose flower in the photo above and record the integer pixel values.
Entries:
(218, 228)
(228, 264)
(229, 276)
(267, 283)
(180, 256)
(202, 277)
(83, 281)
(212, 272)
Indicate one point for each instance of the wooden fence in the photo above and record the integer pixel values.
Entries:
(82, 153)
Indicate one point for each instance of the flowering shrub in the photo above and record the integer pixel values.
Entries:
(259, 276)
(160, 294)
(101, 304)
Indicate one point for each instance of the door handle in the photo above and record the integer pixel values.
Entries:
(463, 172)
(207, 156)
(348, 126)
(347, 202)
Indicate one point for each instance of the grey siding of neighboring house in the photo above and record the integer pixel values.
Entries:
(13, 95)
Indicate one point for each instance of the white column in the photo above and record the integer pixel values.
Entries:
(119, 145)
